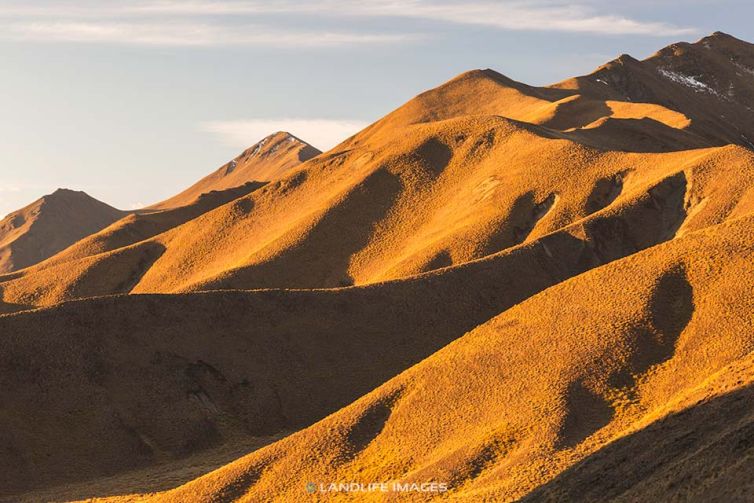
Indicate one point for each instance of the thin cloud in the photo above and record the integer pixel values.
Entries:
(321, 133)
(542, 15)
(508, 15)
(190, 35)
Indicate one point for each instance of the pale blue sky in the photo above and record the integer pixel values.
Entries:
(133, 101)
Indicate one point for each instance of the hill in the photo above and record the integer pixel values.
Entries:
(436, 198)
(555, 394)
(50, 224)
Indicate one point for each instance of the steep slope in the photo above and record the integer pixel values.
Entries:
(266, 160)
(703, 439)
(50, 224)
(569, 372)
(446, 202)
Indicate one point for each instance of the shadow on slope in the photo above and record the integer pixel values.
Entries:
(173, 374)
(314, 262)
(703, 453)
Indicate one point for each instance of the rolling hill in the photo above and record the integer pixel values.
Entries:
(267, 159)
(549, 388)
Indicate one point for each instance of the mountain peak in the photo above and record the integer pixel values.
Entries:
(268, 159)
(279, 143)
(720, 35)
(283, 135)
(67, 196)
(723, 42)
(482, 75)
(63, 192)
(625, 59)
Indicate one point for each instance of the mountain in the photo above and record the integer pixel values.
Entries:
(50, 224)
(272, 156)
(710, 81)
(538, 293)
(704, 89)
(266, 160)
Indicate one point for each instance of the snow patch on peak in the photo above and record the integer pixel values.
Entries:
(258, 147)
(743, 68)
(273, 144)
(688, 81)
(289, 138)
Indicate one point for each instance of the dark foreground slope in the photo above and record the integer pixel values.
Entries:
(128, 381)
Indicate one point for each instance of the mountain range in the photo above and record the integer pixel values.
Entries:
(524, 293)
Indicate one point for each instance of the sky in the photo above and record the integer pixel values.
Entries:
(132, 101)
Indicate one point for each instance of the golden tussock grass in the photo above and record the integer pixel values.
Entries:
(524, 292)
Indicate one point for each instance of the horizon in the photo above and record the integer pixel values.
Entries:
(134, 102)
